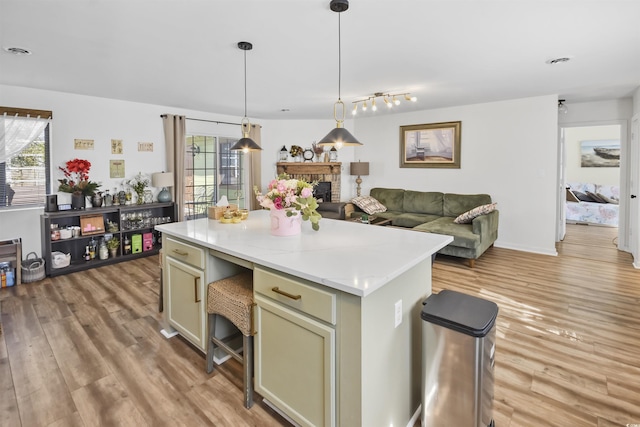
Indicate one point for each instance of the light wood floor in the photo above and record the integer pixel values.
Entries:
(84, 349)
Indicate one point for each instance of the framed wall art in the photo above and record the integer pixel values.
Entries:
(600, 153)
(433, 145)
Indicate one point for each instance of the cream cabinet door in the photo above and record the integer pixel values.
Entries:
(295, 363)
(186, 289)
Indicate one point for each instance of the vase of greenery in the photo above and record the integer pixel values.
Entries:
(138, 184)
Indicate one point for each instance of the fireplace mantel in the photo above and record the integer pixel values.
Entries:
(306, 168)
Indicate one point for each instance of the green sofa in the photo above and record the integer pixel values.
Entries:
(434, 212)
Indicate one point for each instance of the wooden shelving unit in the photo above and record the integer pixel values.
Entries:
(76, 245)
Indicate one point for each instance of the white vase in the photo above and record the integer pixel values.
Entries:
(283, 225)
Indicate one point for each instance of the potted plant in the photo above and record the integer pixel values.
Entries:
(76, 181)
(113, 244)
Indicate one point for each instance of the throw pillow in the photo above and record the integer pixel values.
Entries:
(595, 197)
(368, 204)
(467, 217)
(608, 199)
(582, 196)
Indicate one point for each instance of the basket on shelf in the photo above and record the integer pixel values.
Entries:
(32, 268)
(60, 259)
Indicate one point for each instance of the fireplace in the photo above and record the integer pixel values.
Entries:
(322, 191)
(324, 173)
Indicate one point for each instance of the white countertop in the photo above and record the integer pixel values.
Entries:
(344, 255)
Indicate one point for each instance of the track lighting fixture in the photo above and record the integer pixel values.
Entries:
(390, 99)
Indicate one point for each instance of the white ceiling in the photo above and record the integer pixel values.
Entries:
(445, 52)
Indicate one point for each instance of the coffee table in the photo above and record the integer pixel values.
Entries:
(373, 220)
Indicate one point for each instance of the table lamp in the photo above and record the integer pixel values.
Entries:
(164, 180)
(359, 168)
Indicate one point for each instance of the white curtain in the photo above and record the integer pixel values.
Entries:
(18, 132)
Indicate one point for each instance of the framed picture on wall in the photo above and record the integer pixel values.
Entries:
(434, 145)
(600, 153)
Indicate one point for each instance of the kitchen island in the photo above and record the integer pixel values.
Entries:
(338, 325)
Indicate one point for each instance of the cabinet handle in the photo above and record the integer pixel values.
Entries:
(286, 294)
(181, 253)
(195, 288)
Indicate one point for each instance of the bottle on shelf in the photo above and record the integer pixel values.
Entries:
(87, 255)
(103, 252)
(127, 245)
(92, 248)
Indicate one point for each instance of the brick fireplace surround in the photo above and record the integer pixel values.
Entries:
(314, 171)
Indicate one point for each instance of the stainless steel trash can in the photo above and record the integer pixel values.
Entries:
(458, 348)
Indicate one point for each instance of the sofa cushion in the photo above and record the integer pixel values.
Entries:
(462, 234)
(392, 198)
(468, 216)
(369, 204)
(423, 202)
(410, 220)
(456, 204)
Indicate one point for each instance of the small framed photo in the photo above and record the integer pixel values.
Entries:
(116, 146)
(433, 145)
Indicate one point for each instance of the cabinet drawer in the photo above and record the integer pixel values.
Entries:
(189, 254)
(293, 293)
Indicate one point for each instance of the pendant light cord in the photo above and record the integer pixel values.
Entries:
(245, 83)
(339, 58)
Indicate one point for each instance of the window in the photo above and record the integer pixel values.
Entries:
(24, 157)
(211, 171)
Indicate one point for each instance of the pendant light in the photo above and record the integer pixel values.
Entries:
(339, 137)
(245, 143)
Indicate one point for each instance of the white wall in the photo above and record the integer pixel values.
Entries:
(508, 151)
(100, 119)
(595, 175)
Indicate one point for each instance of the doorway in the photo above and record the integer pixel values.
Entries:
(593, 160)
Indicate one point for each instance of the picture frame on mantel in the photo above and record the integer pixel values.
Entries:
(432, 145)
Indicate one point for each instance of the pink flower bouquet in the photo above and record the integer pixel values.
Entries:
(293, 195)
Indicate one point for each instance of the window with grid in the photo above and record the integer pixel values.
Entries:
(24, 157)
(211, 171)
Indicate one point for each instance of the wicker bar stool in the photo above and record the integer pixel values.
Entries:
(233, 298)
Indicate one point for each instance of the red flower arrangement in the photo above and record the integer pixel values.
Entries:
(76, 178)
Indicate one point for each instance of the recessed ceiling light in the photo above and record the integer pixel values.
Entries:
(559, 60)
(17, 50)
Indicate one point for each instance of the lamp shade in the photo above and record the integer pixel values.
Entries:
(359, 168)
(340, 137)
(245, 144)
(162, 179)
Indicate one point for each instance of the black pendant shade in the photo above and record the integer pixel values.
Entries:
(245, 144)
(339, 137)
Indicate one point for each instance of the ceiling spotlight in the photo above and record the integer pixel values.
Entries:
(410, 98)
(364, 106)
(396, 100)
(386, 101)
(561, 107)
(373, 104)
(355, 110)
